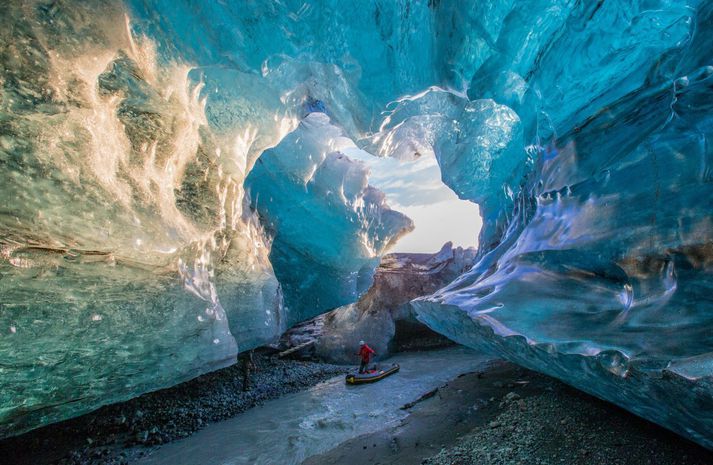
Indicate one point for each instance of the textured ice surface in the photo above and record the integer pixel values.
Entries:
(602, 273)
(329, 226)
(131, 258)
(127, 260)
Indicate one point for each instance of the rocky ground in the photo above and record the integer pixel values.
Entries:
(118, 433)
(507, 415)
(501, 415)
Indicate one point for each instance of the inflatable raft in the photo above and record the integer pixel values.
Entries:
(372, 376)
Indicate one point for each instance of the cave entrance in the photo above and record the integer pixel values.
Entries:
(415, 188)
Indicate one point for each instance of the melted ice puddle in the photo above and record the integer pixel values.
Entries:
(288, 430)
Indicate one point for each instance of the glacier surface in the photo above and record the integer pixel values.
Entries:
(175, 192)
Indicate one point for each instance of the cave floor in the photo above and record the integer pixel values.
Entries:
(121, 433)
(510, 415)
(496, 413)
(291, 428)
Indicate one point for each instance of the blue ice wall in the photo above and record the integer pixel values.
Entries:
(329, 226)
(601, 272)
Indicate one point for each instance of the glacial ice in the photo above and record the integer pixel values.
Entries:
(602, 274)
(329, 227)
(131, 257)
(128, 263)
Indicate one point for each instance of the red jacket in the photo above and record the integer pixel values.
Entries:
(365, 351)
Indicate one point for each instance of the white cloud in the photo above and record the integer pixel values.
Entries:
(415, 189)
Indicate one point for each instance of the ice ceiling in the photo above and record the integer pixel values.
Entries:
(177, 187)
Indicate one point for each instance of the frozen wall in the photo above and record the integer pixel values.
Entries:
(599, 269)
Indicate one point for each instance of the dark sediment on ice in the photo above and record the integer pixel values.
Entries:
(510, 415)
(384, 317)
(118, 433)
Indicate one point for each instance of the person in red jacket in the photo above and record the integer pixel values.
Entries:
(365, 352)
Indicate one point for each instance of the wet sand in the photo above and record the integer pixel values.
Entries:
(509, 415)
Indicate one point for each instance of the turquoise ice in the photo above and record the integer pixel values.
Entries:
(329, 227)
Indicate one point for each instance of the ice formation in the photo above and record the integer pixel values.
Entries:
(598, 269)
(329, 226)
(132, 258)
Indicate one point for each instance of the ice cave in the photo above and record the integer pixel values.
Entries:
(184, 182)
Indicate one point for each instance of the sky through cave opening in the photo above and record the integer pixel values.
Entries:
(415, 188)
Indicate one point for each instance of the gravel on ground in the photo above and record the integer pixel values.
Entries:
(507, 415)
(119, 433)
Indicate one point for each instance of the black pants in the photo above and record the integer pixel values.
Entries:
(363, 366)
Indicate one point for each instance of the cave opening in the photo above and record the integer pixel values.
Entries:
(414, 187)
